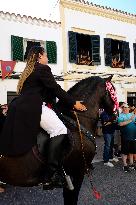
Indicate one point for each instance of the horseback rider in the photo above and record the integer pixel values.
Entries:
(37, 85)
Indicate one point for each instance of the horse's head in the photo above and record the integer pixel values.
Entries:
(96, 93)
(109, 99)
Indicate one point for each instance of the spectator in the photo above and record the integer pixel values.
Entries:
(117, 135)
(3, 113)
(131, 108)
(134, 111)
(121, 103)
(4, 109)
(127, 125)
(99, 129)
(108, 129)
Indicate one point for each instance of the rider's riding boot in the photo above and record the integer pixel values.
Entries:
(56, 153)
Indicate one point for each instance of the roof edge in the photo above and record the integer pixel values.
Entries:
(28, 19)
(85, 6)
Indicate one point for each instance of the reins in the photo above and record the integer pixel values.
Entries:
(96, 194)
(82, 144)
(86, 116)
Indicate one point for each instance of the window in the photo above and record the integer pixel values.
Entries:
(20, 48)
(134, 46)
(84, 49)
(28, 44)
(17, 53)
(51, 49)
(117, 53)
(131, 98)
(10, 96)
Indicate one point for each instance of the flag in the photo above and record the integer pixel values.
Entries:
(7, 68)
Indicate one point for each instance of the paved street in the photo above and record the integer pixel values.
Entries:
(115, 186)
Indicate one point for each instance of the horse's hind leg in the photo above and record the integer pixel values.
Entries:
(71, 197)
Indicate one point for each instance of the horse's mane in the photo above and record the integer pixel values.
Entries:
(84, 90)
(82, 85)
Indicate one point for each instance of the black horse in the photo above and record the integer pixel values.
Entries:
(27, 170)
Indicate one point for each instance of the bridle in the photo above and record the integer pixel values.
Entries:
(112, 92)
(109, 91)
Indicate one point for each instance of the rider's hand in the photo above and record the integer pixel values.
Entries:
(80, 106)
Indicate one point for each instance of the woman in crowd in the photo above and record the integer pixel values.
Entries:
(126, 121)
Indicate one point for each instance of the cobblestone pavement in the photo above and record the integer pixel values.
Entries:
(115, 187)
(99, 149)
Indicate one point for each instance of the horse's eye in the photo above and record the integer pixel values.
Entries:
(107, 93)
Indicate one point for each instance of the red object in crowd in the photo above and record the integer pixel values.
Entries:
(7, 68)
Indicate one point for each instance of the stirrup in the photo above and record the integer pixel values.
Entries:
(57, 181)
(68, 180)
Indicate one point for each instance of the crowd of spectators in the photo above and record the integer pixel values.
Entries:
(119, 133)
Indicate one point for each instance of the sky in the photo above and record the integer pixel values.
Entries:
(49, 9)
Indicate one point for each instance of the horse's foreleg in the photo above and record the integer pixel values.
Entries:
(71, 197)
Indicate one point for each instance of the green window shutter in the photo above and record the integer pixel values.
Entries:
(17, 52)
(126, 54)
(72, 47)
(51, 49)
(107, 51)
(95, 41)
(134, 46)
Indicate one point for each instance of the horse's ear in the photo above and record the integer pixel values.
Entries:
(109, 78)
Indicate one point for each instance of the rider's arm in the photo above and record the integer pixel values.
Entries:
(50, 83)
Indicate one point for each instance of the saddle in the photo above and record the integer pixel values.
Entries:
(60, 179)
(40, 150)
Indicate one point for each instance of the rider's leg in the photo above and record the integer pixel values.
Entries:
(51, 123)
(55, 156)
(58, 140)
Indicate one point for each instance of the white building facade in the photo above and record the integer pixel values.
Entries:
(22, 31)
(85, 28)
(107, 26)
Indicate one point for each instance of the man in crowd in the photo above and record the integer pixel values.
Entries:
(108, 130)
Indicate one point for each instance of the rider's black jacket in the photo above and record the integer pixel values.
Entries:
(23, 120)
